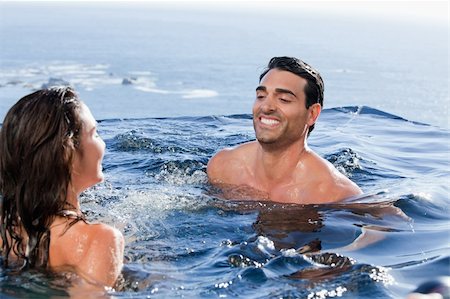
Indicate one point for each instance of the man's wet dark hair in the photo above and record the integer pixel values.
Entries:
(314, 87)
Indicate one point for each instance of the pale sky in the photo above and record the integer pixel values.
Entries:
(434, 11)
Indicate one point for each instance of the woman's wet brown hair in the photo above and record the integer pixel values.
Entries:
(38, 139)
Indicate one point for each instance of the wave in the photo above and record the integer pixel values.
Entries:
(346, 110)
(89, 77)
(366, 110)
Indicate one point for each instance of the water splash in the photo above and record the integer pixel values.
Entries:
(345, 160)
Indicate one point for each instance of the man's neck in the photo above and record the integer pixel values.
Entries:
(275, 164)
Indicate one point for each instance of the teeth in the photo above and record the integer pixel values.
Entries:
(269, 122)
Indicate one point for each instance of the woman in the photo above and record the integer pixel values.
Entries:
(50, 152)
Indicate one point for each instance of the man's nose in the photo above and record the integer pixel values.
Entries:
(268, 105)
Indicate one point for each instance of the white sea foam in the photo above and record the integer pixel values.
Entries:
(91, 76)
(83, 75)
(424, 195)
(291, 252)
(324, 293)
(157, 203)
(90, 83)
(175, 176)
(265, 245)
(20, 73)
(199, 93)
(144, 86)
(151, 89)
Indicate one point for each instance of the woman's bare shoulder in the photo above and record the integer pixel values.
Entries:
(92, 234)
(94, 251)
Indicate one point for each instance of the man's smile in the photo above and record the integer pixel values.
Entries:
(271, 122)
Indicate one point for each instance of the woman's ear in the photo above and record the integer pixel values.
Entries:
(313, 113)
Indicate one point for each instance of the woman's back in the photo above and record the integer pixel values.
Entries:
(93, 251)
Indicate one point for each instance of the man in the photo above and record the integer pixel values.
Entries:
(279, 166)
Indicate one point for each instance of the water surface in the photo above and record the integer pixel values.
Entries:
(181, 240)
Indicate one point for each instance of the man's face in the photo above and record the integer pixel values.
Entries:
(279, 113)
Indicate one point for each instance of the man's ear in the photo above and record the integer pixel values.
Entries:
(313, 113)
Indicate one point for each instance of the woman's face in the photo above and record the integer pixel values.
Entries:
(87, 162)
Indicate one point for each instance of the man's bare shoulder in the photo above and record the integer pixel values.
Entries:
(225, 166)
(236, 153)
(331, 185)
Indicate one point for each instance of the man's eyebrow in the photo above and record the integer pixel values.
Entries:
(277, 90)
(282, 90)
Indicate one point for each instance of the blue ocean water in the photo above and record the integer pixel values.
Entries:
(172, 84)
(196, 59)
